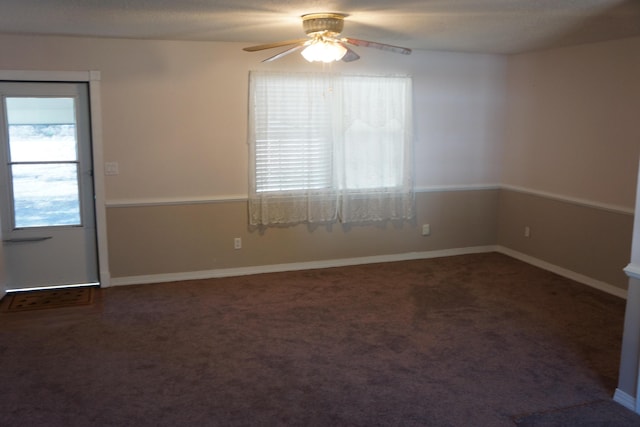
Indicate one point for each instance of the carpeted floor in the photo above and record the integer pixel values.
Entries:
(474, 340)
(601, 413)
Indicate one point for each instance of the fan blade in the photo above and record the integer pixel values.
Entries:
(350, 55)
(285, 53)
(382, 46)
(272, 45)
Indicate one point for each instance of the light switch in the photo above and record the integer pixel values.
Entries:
(111, 168)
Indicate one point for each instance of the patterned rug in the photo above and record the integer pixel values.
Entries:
(52, 298)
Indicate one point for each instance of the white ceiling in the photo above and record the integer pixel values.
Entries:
(490, 26)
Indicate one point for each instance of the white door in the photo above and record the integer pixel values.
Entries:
(46, 190)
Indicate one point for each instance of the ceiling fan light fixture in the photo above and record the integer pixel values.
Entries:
(323, 42)
(324, 51)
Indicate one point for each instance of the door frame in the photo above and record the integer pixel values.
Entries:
(92, 78)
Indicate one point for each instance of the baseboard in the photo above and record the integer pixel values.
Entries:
(105, 278)
(276, 268)
(569, 274)
(625, 399)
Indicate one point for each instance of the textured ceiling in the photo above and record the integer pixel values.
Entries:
(491, 26)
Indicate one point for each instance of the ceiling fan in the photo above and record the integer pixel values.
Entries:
(323, 42)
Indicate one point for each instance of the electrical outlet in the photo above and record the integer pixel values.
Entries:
(527, 231)
(426, 229)
(237, 243)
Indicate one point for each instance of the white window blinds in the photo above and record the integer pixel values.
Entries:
(325, 147)
(292, 134)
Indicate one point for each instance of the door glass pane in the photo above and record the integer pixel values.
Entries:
(43, 159)
(41, 129)
(45, 195)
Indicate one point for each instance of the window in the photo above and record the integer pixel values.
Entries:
(43, 161)
(293, 142)
(326, 147)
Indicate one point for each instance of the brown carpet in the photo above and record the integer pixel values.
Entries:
(602, 413)
(474, 340)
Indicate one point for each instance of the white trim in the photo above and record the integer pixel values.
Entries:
(93, 79)
(162, 201)
(277, 268)
(48, 288)
(168, 201)
(569, 274)
(468, 187)
(573, 200)
(625, 399)
(98, 177)
(633, 270)
(46, 76)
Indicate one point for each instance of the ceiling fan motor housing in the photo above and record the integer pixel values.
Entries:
(322, 22)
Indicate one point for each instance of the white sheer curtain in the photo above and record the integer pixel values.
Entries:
(374, 130)
(327, 147)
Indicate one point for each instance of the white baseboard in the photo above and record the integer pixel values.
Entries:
(569, 274)
(625, 399)
(276, 268)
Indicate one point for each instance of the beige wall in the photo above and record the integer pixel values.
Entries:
(572, 139)
(572, 130)
(174, 118)
(591, 241)
(572, 122)
(199, 237)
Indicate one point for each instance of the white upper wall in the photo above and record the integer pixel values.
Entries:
(459, 114)
(572, 125)
(174, 113)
